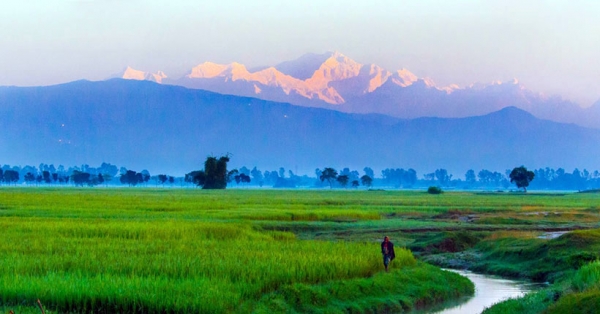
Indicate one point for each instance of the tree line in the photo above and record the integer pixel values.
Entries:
(215, 174)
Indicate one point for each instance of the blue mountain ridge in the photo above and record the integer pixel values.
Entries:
(162, 128)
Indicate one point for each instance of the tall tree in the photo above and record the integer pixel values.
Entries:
(329, 175)
(521, 177)
(470, 177)
(216, 172)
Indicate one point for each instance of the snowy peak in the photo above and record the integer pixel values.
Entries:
(233, 71)
(404, 78)
(132, 74)
(377, 77)
(313, 79)
(336, 68)
(304, 67)
(331, 77)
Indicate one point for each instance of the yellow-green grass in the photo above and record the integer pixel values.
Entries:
(286, 205)
(189, 250)
(177, 265)
(122, 250)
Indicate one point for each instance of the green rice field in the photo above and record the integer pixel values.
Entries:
(239, 251)
(133, 250)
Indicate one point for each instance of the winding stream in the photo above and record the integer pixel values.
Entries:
(488, 290)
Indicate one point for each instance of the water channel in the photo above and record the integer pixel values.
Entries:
(488, 291)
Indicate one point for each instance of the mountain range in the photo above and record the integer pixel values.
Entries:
(334, 81)
(164, 128)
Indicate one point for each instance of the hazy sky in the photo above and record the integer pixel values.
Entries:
(550, 46)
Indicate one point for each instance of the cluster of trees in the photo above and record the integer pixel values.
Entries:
(78, 176)
(559, 179)
(346, 176)
(544, 179)
(399, 177)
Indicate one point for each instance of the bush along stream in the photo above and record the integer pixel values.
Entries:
(566, 261)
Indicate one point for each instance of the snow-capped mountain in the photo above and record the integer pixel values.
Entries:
(333, 80)
(132, 74)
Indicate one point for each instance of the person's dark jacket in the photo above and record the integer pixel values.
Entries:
(390, 249)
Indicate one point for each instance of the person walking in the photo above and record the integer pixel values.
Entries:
(387, 249)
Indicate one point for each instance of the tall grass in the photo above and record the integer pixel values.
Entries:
(587, 277)
(106, 265)
(187, 250)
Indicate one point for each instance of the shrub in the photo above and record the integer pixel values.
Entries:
(434, 190)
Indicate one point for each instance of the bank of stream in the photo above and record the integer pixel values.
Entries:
(489, 290)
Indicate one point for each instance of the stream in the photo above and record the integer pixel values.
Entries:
(488, 291)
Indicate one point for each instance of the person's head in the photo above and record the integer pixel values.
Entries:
(386, 239)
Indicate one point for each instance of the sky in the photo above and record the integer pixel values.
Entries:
(550, 46)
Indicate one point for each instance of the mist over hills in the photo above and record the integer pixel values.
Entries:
(162, 128)
(335, 81)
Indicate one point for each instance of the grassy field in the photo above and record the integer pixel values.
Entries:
(144, 250)
(189, 250)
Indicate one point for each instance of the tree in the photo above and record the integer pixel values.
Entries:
(109, 169)
(369, 172)
(231, 176)
(355, 183)
(29, 177)
(470, 177)
(410, 177)
(521, 177)
(145, 176)
(242, 178)
(328, 174)
(46, 177)
(11, 176)
(366, 180)
(282, 172)
(162, 178)
(106, 178)
(79, 178)
(197, 177)
(256, 175)
(442, 176)
(343, 180)
(216, 172)
(131, 178)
